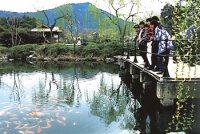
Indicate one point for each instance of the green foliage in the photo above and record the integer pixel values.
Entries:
(92, 49)
(166, 17)
(183, 18)
(109, 25)
(28, 22)
(103, 49)
(182, 119)
(52, 50)
(21, 51)
(112, 48)
(22, 25)
(179, 16)
(3, 50)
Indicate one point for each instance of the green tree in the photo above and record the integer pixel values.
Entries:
(70, 24)
(16, 30)
(166, 17)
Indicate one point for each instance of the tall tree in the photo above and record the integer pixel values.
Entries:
(70, 24)
(13, 24)
(16, 30)
(51, 26)
(116, 6)
(118, 18)
(73, 27)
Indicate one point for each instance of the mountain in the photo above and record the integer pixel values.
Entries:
(82, 11)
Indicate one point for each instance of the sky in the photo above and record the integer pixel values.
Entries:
(147, 7)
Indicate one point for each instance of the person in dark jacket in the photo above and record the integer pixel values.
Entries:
(154, 46)
(164, 45)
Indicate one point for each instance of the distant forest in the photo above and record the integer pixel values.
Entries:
(16, 30)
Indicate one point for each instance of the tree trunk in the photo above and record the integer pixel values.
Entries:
(12, 36)
(51, 35)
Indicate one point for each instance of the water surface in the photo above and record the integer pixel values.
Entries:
(63, 98)
(86, 98)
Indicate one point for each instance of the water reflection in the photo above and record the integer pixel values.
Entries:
(86, 98)
(152, 118)
(67, 98)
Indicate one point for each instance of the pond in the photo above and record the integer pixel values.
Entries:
(82, 98)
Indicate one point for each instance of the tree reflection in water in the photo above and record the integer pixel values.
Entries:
(145, 113)
(152, 118)
(65, 86)
(109, 103)
(58, 94)
(16, 88)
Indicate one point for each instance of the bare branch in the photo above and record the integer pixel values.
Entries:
(55, 21)
(109, 17)
(48, 23)
(129, 15)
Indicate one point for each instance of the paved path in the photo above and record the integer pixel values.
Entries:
(177, 71)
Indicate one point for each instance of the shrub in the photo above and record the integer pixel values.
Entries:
(111, 49)
(52, 50)
(21, 51)
(101, 49)
(91, 49)
(3, 50)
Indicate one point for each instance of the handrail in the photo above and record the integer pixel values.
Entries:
(170, 55)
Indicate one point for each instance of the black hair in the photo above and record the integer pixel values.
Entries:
(146, 25)
(154, 22)
(148, 20)
(136, 26)
(141, 23)
(155, 18)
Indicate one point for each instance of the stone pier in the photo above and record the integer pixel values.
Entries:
(184, 80)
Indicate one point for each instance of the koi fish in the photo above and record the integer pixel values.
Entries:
(29, 132)
(3, 112)
(34, 113)
(58, 116)
(62, 123)
(24, 126)
(18, 126)
(21, 132)
(47, 126)
(39, 129)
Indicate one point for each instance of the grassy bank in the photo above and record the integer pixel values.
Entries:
(63, 52)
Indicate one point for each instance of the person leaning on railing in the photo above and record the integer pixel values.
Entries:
(143, 43)
(144, 40)
(137, 30)
(154, 45)
(165, 44)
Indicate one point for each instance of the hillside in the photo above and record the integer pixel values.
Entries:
(82, 11)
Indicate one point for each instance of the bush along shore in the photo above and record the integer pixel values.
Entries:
(61, 52)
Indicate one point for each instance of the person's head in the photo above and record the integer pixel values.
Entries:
(156, 18)
(148, 21)
(146, 26)
(154, 23)
(141, 24)
(136, 27)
